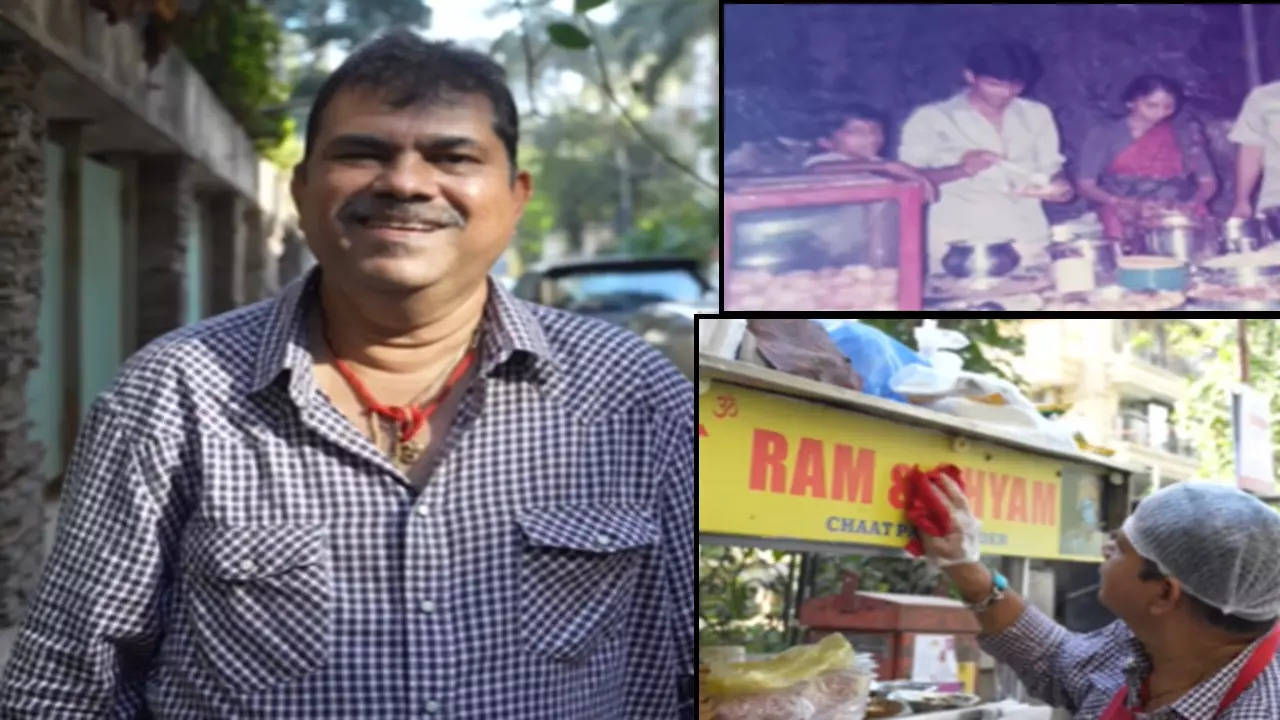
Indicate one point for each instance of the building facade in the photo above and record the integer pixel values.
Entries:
(133, 204)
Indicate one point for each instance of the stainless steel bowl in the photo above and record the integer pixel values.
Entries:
(1179, 236)
(980, 258)
(1243, 235)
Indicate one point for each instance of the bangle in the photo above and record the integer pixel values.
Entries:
(998, 586)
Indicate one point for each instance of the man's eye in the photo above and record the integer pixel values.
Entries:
(454, 158)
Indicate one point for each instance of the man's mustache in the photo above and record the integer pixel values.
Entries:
(363, 208)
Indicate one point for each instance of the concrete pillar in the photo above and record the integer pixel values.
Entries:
(226, 248)
(22, 177)
(166, 207)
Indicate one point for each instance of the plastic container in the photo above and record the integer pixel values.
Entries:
(1151, 272)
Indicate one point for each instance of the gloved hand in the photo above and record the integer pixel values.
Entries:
(946, 530)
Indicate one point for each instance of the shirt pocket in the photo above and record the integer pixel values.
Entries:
(261, 601)
(578, 574)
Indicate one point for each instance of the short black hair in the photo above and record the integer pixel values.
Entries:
(409, 70)
(1006, 60)
(1144, 85)
(829, 121)
(1210, 614)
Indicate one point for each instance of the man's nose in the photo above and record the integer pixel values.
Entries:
(408, 177)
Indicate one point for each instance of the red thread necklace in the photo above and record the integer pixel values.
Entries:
(409, 419)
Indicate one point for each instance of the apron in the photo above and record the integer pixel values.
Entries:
(1253, 667)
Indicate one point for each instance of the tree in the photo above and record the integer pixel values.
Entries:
(1204, 415)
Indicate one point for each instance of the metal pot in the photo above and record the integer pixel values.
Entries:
(1244, 235)
(1178, 236)
(980, 258)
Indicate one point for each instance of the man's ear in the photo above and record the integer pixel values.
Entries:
(1167, 600)
(522, 188)
(298, 183)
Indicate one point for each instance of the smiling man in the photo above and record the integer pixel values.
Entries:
(1194, 578)
(394, 490)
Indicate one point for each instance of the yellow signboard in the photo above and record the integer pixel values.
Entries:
(779, 467)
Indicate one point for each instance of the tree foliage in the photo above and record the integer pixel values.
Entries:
(1204, 414)
(234, 45)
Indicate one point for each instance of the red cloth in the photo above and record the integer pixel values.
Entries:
(925, 508)
(1155, 155)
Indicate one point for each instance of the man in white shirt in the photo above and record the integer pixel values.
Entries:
(1257, 132)
(993, 155)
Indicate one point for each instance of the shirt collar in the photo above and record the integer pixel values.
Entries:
(510, 336)
(1202, 700)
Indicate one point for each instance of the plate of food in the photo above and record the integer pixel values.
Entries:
(885, 708)
(1114, 298)
(932, 701)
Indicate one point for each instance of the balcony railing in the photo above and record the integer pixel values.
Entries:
(1134, 428)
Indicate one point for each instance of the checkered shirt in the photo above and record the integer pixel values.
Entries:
(1082, 672)
(230, 546)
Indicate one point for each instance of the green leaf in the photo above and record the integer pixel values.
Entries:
(581, 6)
(567, 35)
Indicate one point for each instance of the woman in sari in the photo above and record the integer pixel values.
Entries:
(1147, 162)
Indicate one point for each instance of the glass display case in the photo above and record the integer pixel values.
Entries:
(822, 243)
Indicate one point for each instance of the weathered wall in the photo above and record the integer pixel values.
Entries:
(21, 228)
(100, 72)
(785, 63)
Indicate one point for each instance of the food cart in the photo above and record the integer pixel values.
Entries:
(823, 242)
(855, 242)
(792, 464)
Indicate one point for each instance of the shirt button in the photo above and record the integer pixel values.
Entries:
(248, 566)
(423, 510)
(432, 706)
(604, 540)
(428, 606)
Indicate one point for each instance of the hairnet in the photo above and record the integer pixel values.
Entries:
(1220, 542)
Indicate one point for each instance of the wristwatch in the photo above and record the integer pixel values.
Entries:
(998, 585)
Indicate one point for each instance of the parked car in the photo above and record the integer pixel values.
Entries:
(669, 327)
(613, 289)
(654, 297)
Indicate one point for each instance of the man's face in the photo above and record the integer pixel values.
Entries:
(1122, 591)
(993, 91)
(856, 138)
(399, 200)
(1154, 107)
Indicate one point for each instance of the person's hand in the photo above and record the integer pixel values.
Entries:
(1242, 209)
(1056, 191)
(975, 161)
(961, 545)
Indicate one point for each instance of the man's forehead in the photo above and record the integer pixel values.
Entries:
(364, 108)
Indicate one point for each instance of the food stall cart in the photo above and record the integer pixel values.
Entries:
(792, 464)
(855, 242)
(822, 242)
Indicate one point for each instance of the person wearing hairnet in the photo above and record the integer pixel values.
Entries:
(1193, 575)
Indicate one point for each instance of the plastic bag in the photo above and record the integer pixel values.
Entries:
(874, 355)
(809, 682)
(784, 670)
(944, 386)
